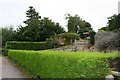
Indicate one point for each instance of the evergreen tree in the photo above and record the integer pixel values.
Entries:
(77, 25)
(31, 30)
(7, 34)
(37, 29)
(49, 28)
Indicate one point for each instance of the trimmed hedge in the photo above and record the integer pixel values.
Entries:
(68, 35)
(26, 45)
(53, 64)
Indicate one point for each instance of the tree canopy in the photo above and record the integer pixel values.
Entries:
(38, 29)
(77, 25)
(8, 34)
(31, 31)
(113, 23)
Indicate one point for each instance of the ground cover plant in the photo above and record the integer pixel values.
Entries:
(54, 64)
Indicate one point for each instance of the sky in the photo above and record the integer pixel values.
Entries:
(96, 12)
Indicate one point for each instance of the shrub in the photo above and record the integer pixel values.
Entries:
(26, 45)
(51, 43)
(72, 36)
(92, 40)
(68, 38)
(107, 41)
(53, 64)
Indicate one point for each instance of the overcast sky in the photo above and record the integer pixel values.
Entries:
(12, 12)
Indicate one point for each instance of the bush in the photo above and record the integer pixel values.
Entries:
(53, 64)
(107, 41)
(68, 38)
(3, 51)
(50, 43)
(92, 40)
(26, 45)
(72, 36)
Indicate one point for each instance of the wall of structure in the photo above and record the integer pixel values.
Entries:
(119, 7)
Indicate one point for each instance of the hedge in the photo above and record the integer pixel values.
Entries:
(53, 64)
(26, 45)
(68, 35)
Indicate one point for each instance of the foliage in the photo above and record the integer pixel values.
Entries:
(31, 31)
(77, 25)
(92, 40)
(107, 41)
(72, 36)
(113, 23)
(7, 34)
(26, 45)
(69, 37)
(53, 64)
(37, 29)
(51, 43)
(49, 29)
(103, 29)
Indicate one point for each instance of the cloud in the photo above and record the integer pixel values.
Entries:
(93, 11)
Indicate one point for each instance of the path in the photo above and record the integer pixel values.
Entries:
(9, 69)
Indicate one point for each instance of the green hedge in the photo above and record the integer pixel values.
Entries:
(53, 64)
(69, 35)
(26, 45)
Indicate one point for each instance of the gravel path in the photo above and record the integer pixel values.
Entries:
(9, 69)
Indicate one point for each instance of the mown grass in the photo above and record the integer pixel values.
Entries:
(54, 64)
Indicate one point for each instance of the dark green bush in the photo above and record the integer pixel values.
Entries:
(53, 64)
(26, 45)
(92, 40)
(50, 42)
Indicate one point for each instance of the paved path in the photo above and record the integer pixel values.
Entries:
(9, 69)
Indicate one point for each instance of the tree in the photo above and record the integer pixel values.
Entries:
(37, 29)
(49, 28)
(103, 29)
(31, 31)
(113, 23)
(77, 25)
(74, 23)
(92, 39)
(8, 34)
(20, 34)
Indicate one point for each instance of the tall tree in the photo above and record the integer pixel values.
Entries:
(77, 25)
(49, 28)
(37, 29)
(31, 31)
(8, 34)
(113, 23)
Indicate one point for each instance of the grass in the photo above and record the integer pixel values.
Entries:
(54, 64)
